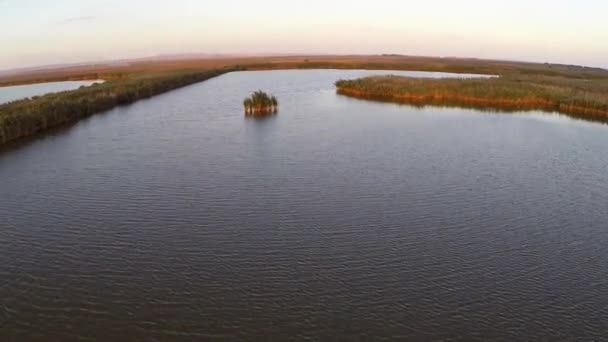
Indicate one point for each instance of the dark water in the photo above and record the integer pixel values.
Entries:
(177, 218)
(13, 93)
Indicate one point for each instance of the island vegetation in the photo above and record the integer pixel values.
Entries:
(260, 103)
(583, 98)
(27, 117)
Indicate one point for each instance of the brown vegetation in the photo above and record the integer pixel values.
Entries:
(580, 98)
(575, 90)
(27, 117)
(377, 62)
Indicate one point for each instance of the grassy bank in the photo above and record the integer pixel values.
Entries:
(19, 119)
(579, 97)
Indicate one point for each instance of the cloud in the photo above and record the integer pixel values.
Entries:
(73, 20)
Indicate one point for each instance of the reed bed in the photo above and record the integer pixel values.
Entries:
(260, 103)
(579, 98)
(23, 118)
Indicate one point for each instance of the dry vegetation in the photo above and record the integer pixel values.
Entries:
(118, 71)
(27, 117)
(583, 98)
(575, 90)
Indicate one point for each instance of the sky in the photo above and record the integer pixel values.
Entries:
(42, 32)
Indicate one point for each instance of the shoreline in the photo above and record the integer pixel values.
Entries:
(501, 105)
(538, 86)
(473, 94)
(29, 117)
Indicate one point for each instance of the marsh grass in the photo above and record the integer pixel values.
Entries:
(575, 90)
(260, 103)
(576, 97)
(27, 117)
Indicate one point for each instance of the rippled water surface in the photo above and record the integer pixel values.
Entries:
(13, 93)
(177, 218)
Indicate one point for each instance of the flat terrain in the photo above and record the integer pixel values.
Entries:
(113, 71)
(574, 90)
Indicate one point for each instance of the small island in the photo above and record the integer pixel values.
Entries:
(260, 103)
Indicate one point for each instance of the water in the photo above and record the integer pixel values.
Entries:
(177, 218)
(12, 93)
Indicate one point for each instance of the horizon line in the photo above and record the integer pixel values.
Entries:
(164, 57)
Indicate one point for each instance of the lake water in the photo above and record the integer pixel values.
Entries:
(13, 93)
(177, 218)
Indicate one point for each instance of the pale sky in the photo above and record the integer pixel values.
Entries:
(40, 32)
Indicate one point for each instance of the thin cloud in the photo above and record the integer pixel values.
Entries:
(80, 19)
